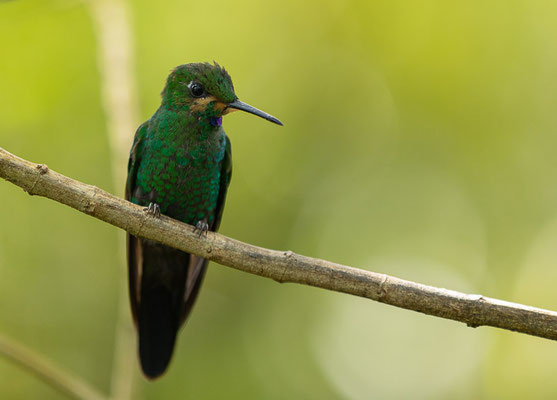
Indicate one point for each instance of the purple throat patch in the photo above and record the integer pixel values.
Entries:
(216, 121)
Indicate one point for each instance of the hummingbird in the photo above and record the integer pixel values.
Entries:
(180, 165)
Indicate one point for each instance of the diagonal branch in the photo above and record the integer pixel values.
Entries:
(282, 266)
(61, 380)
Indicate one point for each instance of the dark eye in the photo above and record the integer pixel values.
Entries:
(196, 89)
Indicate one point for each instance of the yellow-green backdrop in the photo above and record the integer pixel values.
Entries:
(419, 141)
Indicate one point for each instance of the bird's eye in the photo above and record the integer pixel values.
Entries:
(196, 89)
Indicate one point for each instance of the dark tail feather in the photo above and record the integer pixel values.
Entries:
(157, 326)
(160, 274)
(164, 284)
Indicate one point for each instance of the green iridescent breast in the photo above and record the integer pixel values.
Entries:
(180, 170)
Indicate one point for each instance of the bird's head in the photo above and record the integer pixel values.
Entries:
(205, 90)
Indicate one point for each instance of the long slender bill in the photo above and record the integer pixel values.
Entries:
(240, 105)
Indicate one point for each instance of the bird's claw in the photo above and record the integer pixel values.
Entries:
(154, 209)
(202, 227)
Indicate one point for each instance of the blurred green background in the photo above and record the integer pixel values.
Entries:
(419, 141)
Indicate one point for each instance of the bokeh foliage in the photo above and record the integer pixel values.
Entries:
(419, 141)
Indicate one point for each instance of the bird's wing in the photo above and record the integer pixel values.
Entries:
(135, 158)
(225, 176)
(134, 250)
(196, 269)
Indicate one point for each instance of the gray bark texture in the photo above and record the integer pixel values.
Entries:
(282, 266)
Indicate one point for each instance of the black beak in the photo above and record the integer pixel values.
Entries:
(240, 105)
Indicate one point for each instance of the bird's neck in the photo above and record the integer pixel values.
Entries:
(184, 126)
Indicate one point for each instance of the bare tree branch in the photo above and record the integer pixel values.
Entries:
(282, 266)
(61, 380)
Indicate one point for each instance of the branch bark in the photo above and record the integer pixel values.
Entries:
(282, 266)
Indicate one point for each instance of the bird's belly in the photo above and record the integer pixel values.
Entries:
(187, 193)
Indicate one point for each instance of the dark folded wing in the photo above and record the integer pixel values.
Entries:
(134, 249)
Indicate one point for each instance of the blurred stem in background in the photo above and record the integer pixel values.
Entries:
(50, 373)
(115, 57)
(112, 27)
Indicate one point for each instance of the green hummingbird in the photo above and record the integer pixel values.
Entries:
(180, 166)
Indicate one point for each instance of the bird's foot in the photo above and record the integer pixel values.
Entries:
(154, 209)
(202, 227)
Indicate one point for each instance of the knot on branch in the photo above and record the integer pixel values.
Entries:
(90, 203)
(381, 290)
(41, 170)
(289, 257)
(475, 310)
